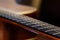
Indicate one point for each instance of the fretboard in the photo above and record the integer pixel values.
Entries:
(31, 22)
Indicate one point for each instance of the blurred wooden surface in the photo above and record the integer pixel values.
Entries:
(18, 8)
(14, 32)
(17, 31)
(1, 30)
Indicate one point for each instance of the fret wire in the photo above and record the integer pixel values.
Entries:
(53, 29)
(56, 33)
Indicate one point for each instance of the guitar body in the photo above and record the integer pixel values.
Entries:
(14, 30)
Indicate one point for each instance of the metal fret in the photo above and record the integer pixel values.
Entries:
(53, 29)
(56, 33)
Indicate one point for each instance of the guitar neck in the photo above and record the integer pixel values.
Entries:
(31, 22)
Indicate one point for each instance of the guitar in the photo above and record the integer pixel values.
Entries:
(44, 30)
